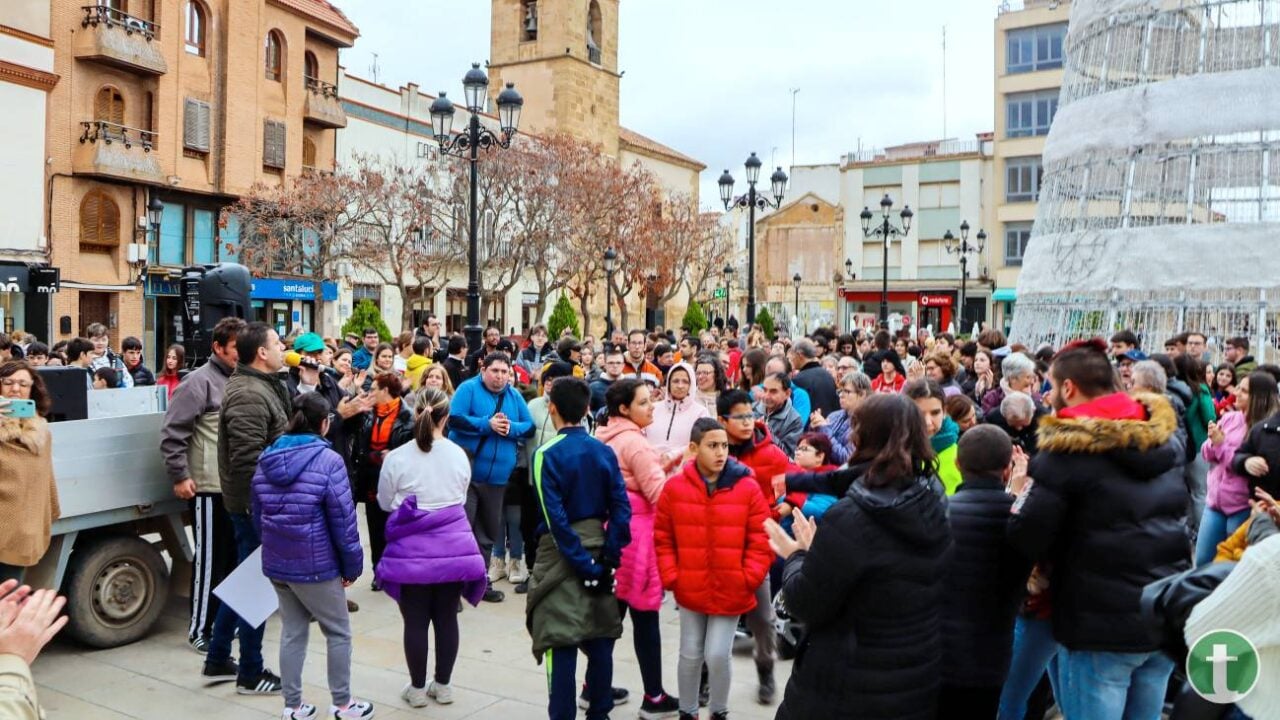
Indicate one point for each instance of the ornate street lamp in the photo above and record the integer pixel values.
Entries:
(728, 284)
(964, 249)
(750, 202)
(467, 145)
(610, 264)
(886, 232)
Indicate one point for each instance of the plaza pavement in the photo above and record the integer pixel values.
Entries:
(496, 677)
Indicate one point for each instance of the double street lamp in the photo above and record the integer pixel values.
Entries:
(750, 202)
(796, 280)
(610, 264)
(467, 145)
(886, 232)
(964, 249)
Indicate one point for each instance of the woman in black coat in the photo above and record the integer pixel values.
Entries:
(387, 426)
(869, 586)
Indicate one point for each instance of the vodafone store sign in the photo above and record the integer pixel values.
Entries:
(927, 300)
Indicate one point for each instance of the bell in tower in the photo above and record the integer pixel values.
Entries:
(530, 20)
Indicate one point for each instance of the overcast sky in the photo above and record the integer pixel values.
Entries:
(712, 78)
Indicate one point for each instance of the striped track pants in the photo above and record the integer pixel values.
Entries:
(215, 558)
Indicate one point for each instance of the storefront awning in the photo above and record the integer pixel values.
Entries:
(1005, 295)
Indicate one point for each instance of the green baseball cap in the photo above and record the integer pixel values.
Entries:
(308, 342)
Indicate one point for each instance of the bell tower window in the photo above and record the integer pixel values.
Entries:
(529, 20)
(595, 27)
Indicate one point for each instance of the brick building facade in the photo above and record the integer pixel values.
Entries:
(189, 102)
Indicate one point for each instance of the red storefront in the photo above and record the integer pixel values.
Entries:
(922, 308)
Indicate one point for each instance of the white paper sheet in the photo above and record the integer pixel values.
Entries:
(247, 591)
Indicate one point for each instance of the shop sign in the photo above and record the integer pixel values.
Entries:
(272, 289)
(927, 300)
(17, 278)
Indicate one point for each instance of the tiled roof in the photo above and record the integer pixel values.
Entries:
(323, 11)
(653, 147)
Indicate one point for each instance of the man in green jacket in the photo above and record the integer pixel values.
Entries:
(255, 411)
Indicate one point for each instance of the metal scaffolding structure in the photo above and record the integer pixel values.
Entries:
(1160, 202)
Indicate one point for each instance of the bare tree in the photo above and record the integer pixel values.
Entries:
(408, 238)
(300, 227)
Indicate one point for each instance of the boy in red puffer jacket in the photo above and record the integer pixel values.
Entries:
(712, 553)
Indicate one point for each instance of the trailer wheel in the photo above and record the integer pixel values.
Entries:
(116, 591)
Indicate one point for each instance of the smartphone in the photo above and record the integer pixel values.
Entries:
(21, 409)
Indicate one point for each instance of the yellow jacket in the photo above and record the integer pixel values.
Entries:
(415, 366)
(1231, 549)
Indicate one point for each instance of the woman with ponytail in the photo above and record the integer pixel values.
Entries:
(302, 508)
(431, 558)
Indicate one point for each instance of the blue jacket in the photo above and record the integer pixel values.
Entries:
(577, 478)
(361, 358)
(302, 507)
(469, 413)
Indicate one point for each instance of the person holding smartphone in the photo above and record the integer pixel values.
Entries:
(29, 493)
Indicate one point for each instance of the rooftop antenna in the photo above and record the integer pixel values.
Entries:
(373, 68)
(794, 91)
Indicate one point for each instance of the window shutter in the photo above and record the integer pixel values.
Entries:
(308, 153)
(195, 125)
(99, 220)
(273, 144)
(89, 219)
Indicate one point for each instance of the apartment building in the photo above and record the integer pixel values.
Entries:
(1029, 38)
(179, 106)
(819, 236)
(27, 280)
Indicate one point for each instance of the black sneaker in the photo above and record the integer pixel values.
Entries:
(767, 687)
(494, 596)
(522, 588)
(722, 715)
(266, 683)
(688, 716)
(620, 697)
(225, 671)
(665, 707)
(200, 644)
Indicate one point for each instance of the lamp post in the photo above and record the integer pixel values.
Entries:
(728, 283)
(848, 269)
(886, 231)
(750, 202)
(795, 280)
(964, 248)
(610, 264)
(650, 308)
(467, 145)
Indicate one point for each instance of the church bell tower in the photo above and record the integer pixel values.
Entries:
(562, 56)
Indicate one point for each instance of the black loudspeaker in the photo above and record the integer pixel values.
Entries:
(68, 390)
(209, 294)
(64, 324)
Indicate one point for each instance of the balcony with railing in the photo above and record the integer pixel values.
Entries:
(118, 151)
(120, 39)
(915, 151)
(322, 104)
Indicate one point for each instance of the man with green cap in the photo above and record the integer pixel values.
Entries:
(308, 377)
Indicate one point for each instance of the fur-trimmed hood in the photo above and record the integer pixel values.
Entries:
(1131, 439)
(30, 433)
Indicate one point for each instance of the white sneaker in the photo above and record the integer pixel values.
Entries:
(302, 712)
(443, 694)
(355, 710)
(416, 697)
(517, 572)
(497, 569)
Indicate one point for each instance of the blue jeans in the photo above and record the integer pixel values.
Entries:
(1111, 685)
(226, 622)
(1214, 528)
(1034, 651)
(509, 533)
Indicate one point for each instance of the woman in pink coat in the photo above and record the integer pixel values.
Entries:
(673, 417)
(645, 471)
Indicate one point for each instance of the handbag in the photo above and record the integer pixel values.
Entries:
(484, 439)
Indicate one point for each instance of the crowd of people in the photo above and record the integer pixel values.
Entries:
(946, 527)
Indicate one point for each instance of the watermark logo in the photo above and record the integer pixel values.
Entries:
(1222, 666)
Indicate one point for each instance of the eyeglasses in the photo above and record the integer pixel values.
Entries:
(806, 448)
(743, 417)
(14, 382)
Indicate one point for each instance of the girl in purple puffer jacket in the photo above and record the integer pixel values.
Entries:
(432, 559)
(304, 513)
